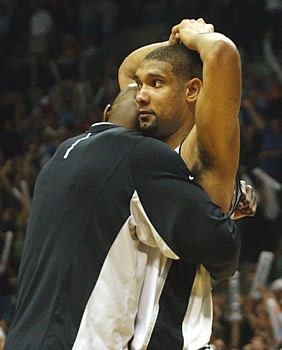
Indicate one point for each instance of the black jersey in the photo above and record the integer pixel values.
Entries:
(118, 250)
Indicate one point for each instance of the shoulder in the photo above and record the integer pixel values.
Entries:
(154, 148)
(152, 154)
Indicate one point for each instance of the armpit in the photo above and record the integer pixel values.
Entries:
(201, 165)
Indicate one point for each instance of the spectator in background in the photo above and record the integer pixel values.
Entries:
(40, 43)
(41, 24)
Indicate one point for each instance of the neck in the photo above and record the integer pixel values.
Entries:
(175, 139)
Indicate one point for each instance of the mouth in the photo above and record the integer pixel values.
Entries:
(145, 111)
(145, 115)
(148, 122)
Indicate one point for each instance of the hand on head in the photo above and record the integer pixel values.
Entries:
(189, 27)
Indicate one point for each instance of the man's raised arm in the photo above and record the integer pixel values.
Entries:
(131, 62)
(216, 134)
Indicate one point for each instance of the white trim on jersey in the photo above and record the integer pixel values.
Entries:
(74, 144)
(110, 324)
(197, 323)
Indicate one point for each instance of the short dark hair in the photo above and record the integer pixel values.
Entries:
(186, 64)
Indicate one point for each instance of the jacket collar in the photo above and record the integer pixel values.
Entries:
(97, 127)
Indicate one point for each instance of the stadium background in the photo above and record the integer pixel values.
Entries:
(58, 66)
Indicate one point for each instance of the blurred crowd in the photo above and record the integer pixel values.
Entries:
(58, 66)
(247, 314)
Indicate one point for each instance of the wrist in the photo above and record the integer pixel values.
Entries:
(205, 42)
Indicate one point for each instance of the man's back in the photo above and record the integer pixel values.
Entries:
(111, 212)
(80, 195)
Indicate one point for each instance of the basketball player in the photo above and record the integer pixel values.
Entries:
(192, 89)
(178, 87)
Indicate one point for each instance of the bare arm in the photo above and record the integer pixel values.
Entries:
(131, 62)
(217, 129)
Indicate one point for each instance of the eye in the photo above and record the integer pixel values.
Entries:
(157, 83)
(139, 84)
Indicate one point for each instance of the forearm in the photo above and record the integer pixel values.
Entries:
(131, 62)
(227, 269)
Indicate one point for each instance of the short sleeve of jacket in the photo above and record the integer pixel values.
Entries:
(182, 214)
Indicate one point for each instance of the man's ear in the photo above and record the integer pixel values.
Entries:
(106, 113)
(193, 89)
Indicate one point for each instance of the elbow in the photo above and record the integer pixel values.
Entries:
(226, 255)
(224, 52)
(126, 72)
(220, 272)
(121, 74)
(225, 270)
(122, 67)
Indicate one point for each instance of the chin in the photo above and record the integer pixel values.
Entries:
(149, 127)
(150, 132)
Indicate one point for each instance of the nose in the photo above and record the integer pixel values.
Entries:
(142, 96)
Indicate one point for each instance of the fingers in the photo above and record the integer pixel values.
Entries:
(174, 36)
(243, 188)
(211, 27)
(248, 203)
(237, 215)
(171, 39)
(175, 29)
(192, 24)
(174, 39)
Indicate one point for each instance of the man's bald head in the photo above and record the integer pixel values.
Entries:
(124, 109)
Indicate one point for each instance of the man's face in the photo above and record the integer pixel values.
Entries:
(161, 99)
